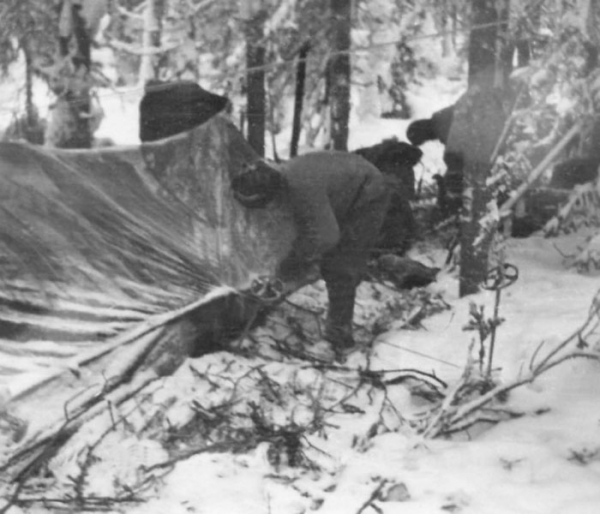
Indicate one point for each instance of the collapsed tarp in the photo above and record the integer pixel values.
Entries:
(116, 257)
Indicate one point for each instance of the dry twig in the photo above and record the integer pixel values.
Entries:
(374, 495)
(455, 412)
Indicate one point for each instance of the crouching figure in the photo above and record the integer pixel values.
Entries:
(339, 202)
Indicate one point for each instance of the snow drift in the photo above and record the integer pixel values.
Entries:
(119, 263)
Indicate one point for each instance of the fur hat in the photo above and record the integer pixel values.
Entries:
(257, 185)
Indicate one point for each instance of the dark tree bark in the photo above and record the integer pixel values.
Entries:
(33, 130)
(593, 18)
(478, 121)
(339, 73)
(29, 107)
(69, 120)
(255, 79)
(299, 98)
(593, 74)
(454, 23)
(487, 43)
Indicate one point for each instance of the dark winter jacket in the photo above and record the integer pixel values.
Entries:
(322, 188)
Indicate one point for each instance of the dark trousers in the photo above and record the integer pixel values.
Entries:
(344, 267)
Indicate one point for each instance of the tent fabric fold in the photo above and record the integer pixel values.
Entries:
(114, 247)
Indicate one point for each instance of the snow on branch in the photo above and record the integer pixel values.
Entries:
(471, 400)
(137, 50)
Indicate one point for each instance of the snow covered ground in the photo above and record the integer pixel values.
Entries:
(545, 462)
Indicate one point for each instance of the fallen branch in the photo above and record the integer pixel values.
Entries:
(221, 447)
(373, 496)
(89, 502)
(506, 208)
(122, 46)
(455, 412)
(28, 459)
(403, 374)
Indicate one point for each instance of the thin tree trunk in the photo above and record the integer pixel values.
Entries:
(504, 47)
(255, 17)
(445, 28)
(299, 98)
(474, 245)
(454, 25)
(339, 69)
(69, 123)
(256, 94)
(81, 99)
(149, 69)
(592, 20)
(593, 33)
(487, 17)
(593, 74)
(32, 130)
(29, 107)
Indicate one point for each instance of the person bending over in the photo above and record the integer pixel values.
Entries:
(339, 201)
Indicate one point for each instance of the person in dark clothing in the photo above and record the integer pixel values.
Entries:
(437, 128)
(457, 136)
(339, 202)
(168, 108)
(399, 228)
(449, 194)
(397, 158)
(431, 129)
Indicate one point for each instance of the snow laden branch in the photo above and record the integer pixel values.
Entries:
(471, 400)
(490, 221)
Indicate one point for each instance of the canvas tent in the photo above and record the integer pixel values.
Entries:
(117, 264)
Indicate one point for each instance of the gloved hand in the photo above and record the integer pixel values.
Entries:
(268, 290)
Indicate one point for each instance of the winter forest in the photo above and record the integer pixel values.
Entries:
(150, 359)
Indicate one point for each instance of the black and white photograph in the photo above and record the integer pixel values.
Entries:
(300, 256)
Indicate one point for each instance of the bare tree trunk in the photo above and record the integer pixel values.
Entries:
(482, 42)
(149, 68)
(593, 74)
(339, 70)
(33, 130)
(445, 27)
(69, 123)
(29, 107)
(299, 98)
(592, 20)
(256, 94)
(593, 47)
(254, 14)
(29, 126)
(487, 43)
(478, 122)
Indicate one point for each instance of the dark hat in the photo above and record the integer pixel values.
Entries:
(257, 185)
(420, 131)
